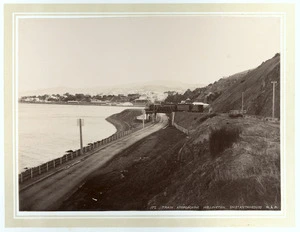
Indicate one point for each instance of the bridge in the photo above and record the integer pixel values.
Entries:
(169, 108)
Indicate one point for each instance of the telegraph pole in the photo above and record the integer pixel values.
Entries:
(143, 118)
(273, 111)
(80, 123)
(242, 102)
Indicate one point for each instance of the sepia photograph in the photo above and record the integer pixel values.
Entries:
(140, 112)
(149, 113)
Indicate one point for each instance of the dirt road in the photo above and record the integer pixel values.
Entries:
(48, 194)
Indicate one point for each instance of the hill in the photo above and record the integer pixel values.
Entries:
(258, 91)
(225, 163)
(208, 93)
(226, 94)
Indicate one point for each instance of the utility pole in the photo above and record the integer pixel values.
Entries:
(143, 118)
(273, 111)
(80, 124)
(242, 102)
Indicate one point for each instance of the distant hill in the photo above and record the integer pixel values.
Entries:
(158, 86)
(226, 94)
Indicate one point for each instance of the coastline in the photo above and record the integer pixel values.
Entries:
(124, 122)
(68, 177)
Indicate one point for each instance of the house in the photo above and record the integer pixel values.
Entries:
(201, 103)
(127, 104)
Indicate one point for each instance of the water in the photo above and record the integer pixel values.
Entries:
(47, 131)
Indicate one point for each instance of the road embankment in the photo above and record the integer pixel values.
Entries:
(125, 120)
(133, 177)
(223, 164)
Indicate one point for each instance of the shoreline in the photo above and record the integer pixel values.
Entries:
(123, 121)
(83, 104)
(71, 176)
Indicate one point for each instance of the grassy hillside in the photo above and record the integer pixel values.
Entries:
(224, 163)
(226, 94)
(208, 93)
(257, 88)
(240, 166)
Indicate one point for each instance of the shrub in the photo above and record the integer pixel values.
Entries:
(222, 138)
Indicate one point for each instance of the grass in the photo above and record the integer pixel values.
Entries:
(222, 138)
(246, 171)
(170, 169)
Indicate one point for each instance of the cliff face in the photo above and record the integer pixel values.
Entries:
(257, 88)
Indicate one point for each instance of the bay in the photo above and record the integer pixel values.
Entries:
(47, 131)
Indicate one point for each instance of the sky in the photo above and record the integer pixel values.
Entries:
(89, 52)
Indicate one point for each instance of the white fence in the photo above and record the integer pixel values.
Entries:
(90, 148)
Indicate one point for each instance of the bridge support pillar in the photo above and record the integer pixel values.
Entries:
(172, 118)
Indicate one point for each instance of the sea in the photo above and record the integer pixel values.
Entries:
(47, 131)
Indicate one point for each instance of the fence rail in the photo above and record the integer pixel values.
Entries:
(182, 129)
(53, 164)
(269, 119)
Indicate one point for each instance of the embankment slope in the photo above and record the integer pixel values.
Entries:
(125, 120)
(243, 173)
(169, 170)
(133, 177)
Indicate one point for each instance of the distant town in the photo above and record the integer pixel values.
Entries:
(133, 99)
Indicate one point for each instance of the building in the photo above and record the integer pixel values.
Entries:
(126, 104)
(201, 103)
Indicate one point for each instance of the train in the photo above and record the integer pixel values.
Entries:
(167, 108)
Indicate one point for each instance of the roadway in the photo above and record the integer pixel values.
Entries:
(48, 194)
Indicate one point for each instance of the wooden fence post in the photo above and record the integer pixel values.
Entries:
(31, 173)
(54, 163)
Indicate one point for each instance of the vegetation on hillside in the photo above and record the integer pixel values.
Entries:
(226, 94)
(245, 172)
(171, 171)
